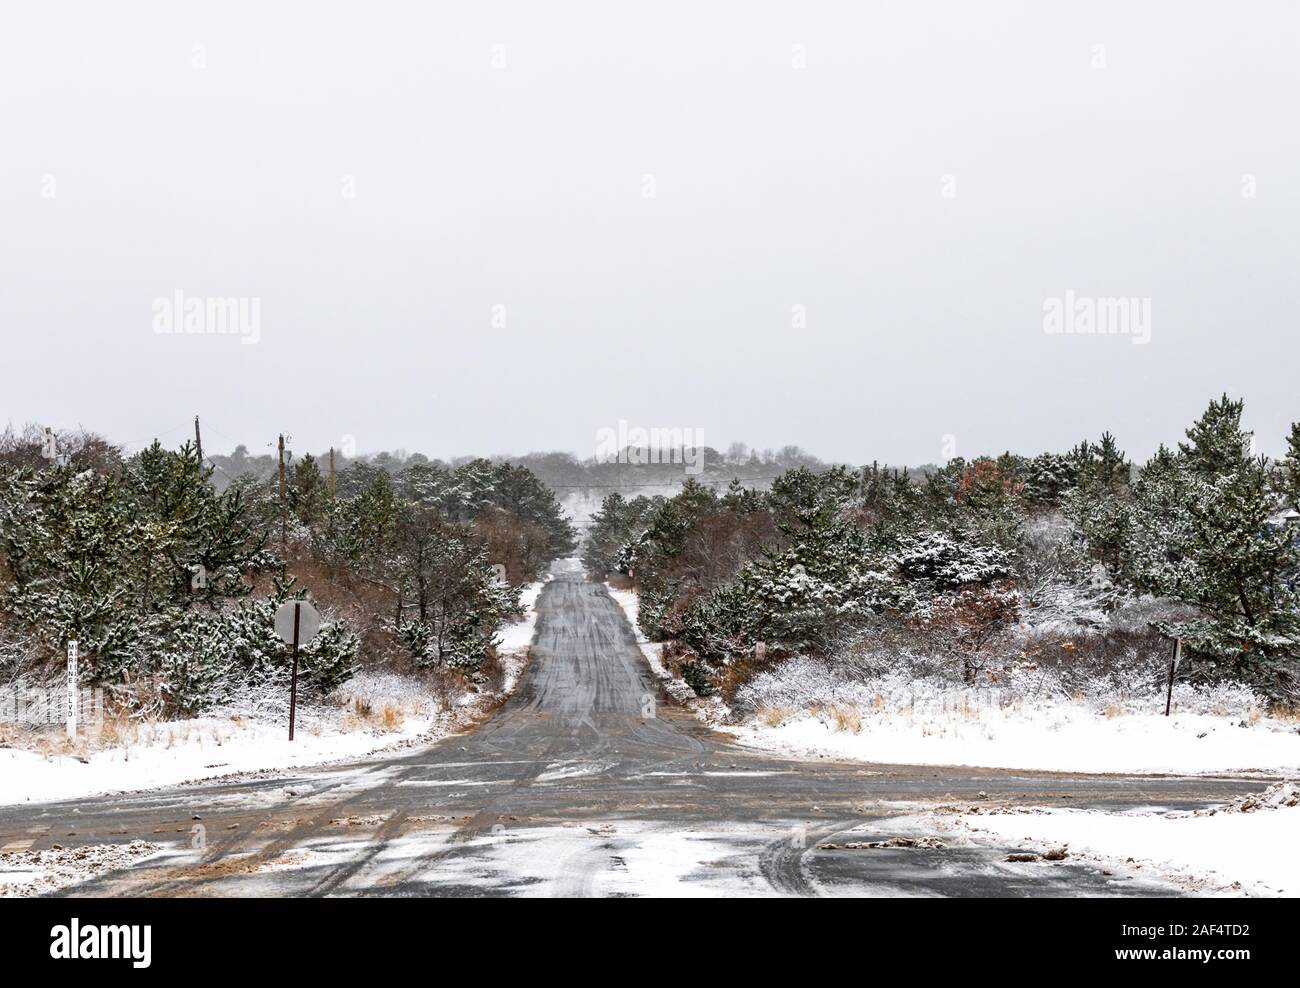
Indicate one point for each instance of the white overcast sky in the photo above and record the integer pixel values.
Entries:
(775, 186)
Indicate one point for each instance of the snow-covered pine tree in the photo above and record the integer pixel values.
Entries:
(1206, 539)
(1288, 473)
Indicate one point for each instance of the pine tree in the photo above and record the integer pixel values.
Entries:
(1217, 445)
(1100, 505)
(1205, 538)
(1289, 470)
(1048, 477)
(308, 494)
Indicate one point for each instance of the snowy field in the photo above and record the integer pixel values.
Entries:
(1061, 736)
(802, 709)
(371, 712)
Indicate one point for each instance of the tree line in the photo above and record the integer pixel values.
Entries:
(169, 581)
(966, 559)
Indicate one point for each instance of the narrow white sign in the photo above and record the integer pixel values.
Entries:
(72, 689)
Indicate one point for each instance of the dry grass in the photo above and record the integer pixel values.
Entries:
(965, 708)
(846, 718)
(728, 679)
(840, 716)
(773, 716)
(1286, 712)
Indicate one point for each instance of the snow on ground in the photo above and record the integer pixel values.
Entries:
(171, 752)
(371, 712)
(516, 638)
(1060, 736)
(653, 651)
(28, 873)
(1226, 850)
(804, 709)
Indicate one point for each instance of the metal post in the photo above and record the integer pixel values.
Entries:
(293, 681)
(1173, 666)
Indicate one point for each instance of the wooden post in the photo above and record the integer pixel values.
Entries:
(331, 473)
(198, 440)
(283, 511)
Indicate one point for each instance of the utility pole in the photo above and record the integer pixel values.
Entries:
(283, 511)
(198, 440)
(331, 473)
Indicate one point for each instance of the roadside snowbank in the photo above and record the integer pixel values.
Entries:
(371, 712)
(516, 638)
(1223, 851)
(807, 706)
(31, 873)
(654, 656)
(653, 651)
(171, 752)
(1062, 737)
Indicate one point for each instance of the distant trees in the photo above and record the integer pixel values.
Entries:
(433, 539)
(561, 472)
(616, 524)
(457, 598)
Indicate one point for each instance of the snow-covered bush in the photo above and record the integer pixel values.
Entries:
(915, 683)
(949, 560)
(210, 655)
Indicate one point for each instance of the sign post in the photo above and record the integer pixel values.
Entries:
(71, 708)
(1173, 667)
(296, 622)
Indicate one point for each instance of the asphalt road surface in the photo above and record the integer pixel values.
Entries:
(586, 782)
